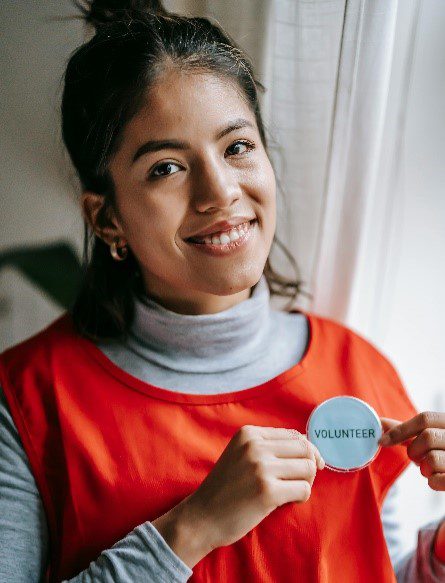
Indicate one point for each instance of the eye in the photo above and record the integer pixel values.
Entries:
(167, 166)
(250, 146)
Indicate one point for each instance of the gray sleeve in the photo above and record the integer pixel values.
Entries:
(143, 554)
(422, 565)
(23, 528)
(419, 565)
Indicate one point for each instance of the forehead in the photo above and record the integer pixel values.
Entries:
(187, 103)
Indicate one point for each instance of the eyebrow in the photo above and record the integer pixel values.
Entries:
(156, 145)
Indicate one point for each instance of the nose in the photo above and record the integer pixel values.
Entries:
(216, 186)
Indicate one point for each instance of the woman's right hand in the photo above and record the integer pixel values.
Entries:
(260, 469)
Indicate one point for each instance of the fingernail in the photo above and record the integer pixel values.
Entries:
(385, 439)
(323, 463)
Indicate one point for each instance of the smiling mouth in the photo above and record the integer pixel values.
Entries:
(233, 234)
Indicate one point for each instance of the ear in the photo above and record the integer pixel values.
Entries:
(102, 220)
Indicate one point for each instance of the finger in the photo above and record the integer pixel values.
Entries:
(320, 460)
(437, 482)
(428, 439)
(294, 469)
(287, 448)
(388, 423)
(433, 463)
(293, 491)
(263, 432)
(278, 433)
(413, 427)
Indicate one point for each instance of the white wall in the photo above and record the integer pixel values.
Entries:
(38, 200)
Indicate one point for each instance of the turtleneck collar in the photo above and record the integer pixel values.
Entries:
(203, 343)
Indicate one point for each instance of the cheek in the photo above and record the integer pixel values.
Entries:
(152, 228)
(267, 189)
(264, 181)
(260, 184)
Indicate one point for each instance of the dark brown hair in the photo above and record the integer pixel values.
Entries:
(104, 85)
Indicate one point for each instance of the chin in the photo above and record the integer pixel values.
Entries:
(225, 286)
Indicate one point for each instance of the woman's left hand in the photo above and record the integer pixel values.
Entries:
(425, 436)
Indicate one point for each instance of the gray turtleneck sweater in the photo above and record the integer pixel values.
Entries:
(235, 347)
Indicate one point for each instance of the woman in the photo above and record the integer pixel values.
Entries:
(162, 415)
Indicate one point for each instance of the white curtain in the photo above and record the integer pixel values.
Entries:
(348, 236)
(356, 252)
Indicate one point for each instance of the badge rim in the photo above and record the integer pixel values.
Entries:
(371, 409)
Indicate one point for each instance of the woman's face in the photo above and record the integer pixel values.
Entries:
(166, 193)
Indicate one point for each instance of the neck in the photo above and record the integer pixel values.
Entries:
(187, 301)
(203, 342)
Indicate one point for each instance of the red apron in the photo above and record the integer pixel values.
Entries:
(109, 452)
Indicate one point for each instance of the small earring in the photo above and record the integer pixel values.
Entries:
(114, 250)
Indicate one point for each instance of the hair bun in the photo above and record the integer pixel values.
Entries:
(102, 13)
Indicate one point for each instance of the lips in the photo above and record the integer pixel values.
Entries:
(221, 227)
(200, 238)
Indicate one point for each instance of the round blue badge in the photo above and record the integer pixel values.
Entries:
(346, 431)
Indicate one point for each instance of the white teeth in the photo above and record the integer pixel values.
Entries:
(224, 239)
(227, 237)
(232, 235)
